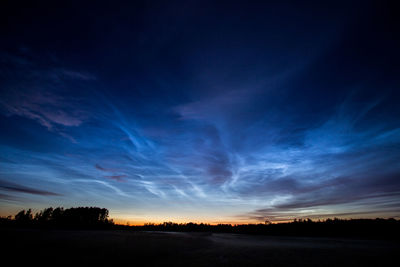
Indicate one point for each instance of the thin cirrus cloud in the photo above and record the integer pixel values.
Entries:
(202, 159)
(339, 165)
(8, 186)
(118, 178)
(44, 107)
(97, 166)
(41, 95)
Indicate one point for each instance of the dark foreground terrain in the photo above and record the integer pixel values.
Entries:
(138, 248)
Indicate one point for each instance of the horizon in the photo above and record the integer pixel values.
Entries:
(37, 217)
(199, 111)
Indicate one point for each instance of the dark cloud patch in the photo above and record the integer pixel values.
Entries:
(97, 166)
(23, 189)
(101, 168)
(118, 178)
(42, 93)
(115, 177)
(8, 197)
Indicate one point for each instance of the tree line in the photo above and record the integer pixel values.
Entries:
(97, 218)
(89, 217)
(360, 228)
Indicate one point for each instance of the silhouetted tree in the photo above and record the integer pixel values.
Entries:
(45, 215)
(57, 214)
(24, 216)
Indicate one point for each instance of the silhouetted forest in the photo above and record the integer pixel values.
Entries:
(97, 218)
(362, 228)
(81, 217)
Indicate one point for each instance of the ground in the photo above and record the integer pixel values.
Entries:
(132, 248)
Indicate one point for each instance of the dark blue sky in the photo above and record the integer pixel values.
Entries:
(201, 111)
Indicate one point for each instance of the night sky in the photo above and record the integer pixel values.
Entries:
(200, 111)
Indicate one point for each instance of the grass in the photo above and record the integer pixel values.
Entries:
(139, 248)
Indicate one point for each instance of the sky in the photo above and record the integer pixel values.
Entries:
(201, 111)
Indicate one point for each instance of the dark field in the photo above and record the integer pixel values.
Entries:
(133, 248)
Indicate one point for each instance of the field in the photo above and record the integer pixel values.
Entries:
(134, 248)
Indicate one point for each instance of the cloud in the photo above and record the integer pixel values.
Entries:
(271, 148)
(215, 107)
(7, 197)
(47, 108)
(23, 189)
(115, 177)
(204, 156)
(118, 178)
(315, 193)
(343, 163)
(43, 95)
(105, 184)
(97, 166)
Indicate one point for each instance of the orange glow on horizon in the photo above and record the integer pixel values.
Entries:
(121, 221)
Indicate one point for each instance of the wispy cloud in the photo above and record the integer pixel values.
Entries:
(45, 107)
(341, 163)
(118, 178)
(97, 166)
(40, 95)
(24, 189)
